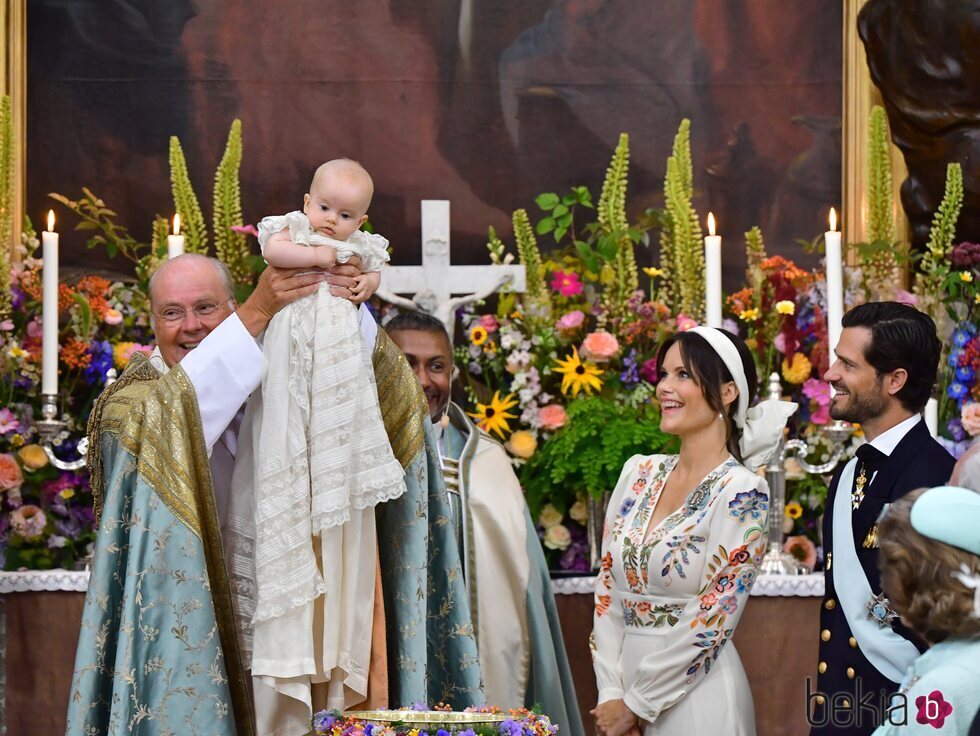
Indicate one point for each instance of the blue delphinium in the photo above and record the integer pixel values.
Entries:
(101, 352)
(957, 391)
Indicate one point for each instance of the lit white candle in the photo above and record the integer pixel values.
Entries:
(835, 284)
(175, 242)
(49, 309)
(932, 417)
(712, 275)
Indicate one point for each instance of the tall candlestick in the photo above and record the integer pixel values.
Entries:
(175, 242)
(49, 309)
(835, 284)
(712, 275)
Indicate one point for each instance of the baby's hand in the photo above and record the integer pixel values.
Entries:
(326, 256)
(364, 286)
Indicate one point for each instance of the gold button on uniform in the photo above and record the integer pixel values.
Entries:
(852, 641)
(819, 699)
(825, 635)
(830, 604)
(846, 703)
(822, 667)
(850, 673)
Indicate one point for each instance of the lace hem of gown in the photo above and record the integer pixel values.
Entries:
(323, 452)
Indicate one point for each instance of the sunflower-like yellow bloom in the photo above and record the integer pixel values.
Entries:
(749, 315)
(797, 371)
(577, 375)
(794, 510)
(478, 335)
(493, 417)
(786, 307)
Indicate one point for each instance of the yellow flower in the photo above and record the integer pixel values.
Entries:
(16, 351)
(976, 299)
(490, 348)
(493, 417)
(67, 493)
(478, 335)
(794, 510)
(522, 444)
(749, 315)
(786, 307)
(966, 276)
(516, 314)
(33, 457)
(798, 371)
(751, 343)
(17, 440)
(577, 375)
(653, 272)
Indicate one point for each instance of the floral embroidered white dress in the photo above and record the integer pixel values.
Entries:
(668, 599)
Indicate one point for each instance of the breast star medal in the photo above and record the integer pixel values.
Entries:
(857, 495)
(879, 611)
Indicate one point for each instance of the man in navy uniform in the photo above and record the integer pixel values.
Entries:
(885, 370)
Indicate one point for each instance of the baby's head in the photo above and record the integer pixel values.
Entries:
(930, 561)
(339, 197)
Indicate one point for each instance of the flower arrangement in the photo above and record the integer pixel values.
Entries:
(46, 518)
(515, 722)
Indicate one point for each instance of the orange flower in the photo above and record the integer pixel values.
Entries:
(74, 354)
(94, 286)
(66, 297)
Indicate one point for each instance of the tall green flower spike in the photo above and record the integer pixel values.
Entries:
(231, 247)
(613, 224)
(530, 255)
(185, 201)
(881, 264)
(934, 268)
(755, 254)
(7, 156)
(681, 247)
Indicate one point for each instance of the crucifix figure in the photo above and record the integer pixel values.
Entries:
(434, 283)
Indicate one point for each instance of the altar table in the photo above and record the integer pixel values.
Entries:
(776, 639)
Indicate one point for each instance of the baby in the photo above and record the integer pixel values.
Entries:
(316, 460)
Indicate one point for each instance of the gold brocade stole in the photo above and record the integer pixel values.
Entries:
(403, 405)
(156, 419)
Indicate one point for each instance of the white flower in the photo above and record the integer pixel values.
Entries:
(549, 516)
(557, 537)
(579, 512)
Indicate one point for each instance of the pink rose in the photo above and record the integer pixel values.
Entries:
(489, 323)
(571, 321)
(599, 346)
(10, 474)
(970, 417)
(552, 416)
(28, 521)
(113, 317)
(802, 549)
(685, 323)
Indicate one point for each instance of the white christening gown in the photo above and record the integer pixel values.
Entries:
(314, 459)
(668, 598)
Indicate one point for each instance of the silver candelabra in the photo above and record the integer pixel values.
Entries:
(776, 561)
(49, 428)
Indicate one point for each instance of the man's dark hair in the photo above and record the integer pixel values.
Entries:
(901, 337)
(418, 321)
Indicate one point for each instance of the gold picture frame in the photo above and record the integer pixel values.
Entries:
(13, 82)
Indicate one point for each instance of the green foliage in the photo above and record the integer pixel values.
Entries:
(589, 452)
(95, 216)
(539, 298)
(681, 247)
(614, 241)
(755, 254)
(881, 225)
(230, 246)
(185, 201)
(935, 266)
(7, 157)
(560, 217)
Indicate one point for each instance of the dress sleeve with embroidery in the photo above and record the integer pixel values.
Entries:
(297, 223)
(734, 546)
(606, 641)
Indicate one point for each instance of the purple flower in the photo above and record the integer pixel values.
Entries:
(419, 706)
(956, 431)
(8, 421)
(467, 732)
(964, 374)
(631, 375)
(648, 371)
(510, 727)
(627, 505)
(102, 361)
(17, 296)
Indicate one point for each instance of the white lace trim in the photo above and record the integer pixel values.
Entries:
(322, 448)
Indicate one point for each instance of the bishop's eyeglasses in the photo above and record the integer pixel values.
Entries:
(202, 310)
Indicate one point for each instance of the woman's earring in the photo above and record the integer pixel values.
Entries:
(721, 417)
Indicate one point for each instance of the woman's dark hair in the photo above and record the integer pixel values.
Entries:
(901, 337)
(709, 371)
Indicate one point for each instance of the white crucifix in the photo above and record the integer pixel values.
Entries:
(434, 283)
